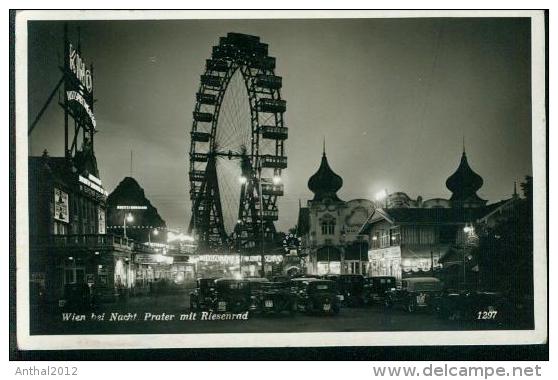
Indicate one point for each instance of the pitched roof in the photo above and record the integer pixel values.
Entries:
(59, 167)
(434, 215)
(130, 193)
(455, 215)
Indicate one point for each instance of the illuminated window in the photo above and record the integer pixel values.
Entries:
(395, 238)
(60, 228)
(384, 236)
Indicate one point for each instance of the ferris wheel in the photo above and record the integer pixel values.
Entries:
(237, 149)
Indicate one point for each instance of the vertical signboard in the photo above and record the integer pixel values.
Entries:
(61, 209)
(79, 86)
(101, 220)
(78, 101)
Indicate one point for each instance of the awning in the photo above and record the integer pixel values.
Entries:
(424, 251)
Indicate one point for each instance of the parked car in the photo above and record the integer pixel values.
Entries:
(203, 297)
(279, 278)
(232, 295)
(375, 288)
(256, 284)
(350, 286)
(482, 306)
(76, 297)
(316, 295)
(308, 276)
(277, 297)
(415, 293)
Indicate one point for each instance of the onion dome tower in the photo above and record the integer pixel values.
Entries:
(325, 183)
(464, 184)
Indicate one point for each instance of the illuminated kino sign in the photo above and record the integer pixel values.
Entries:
(74, 95)
(77, 66)
(82, 91)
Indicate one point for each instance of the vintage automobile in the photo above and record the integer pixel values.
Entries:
(203, 296)
(76, 297)
(277, 297)
(350, 286)
(375, 288)
(482, 306)
(256, 284)
(316, 295)
(415, 293)
(280, 278)
(232, 295)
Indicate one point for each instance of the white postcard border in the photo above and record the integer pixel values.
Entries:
(26, 341)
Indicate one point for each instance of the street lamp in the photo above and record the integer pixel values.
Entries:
(127, 218)
(469, 230)
(276, 180)
(239, 242)
(260, 196)
(242, 180)
(382, 195)
(155, 233)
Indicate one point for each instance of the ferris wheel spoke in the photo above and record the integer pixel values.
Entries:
(231, 195)
(224, 132)
(232, 137)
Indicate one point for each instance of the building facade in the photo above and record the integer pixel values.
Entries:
(68, 243)
(410, 238)
(330, 227)
(161, 257)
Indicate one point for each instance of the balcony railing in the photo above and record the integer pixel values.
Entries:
(91, 241)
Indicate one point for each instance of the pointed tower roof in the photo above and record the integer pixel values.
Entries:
(130, 193)
(325, 182)
(464, 183)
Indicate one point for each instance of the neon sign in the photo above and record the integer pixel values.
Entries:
(74, 95)
(77, 66)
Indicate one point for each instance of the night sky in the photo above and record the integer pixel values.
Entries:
(393, 99)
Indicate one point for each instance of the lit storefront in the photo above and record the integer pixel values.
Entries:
(182, 273)
(328, 260)
(227, 265)
(385, 262)
(403, 262)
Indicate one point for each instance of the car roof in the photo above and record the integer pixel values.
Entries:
(421, 279)
(256, 279)
(230, 279)
(311, 279)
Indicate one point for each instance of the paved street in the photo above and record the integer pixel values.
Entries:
(166, 310)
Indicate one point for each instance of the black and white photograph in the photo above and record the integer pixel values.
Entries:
(260, 179)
